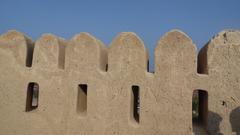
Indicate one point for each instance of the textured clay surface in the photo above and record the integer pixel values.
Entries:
(85, 88)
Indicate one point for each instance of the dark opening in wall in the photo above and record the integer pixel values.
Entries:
(202, 61)
(32, 96)
(29, 57)
(106, 67)
(82, 99)
(200, 107)
(135, 103)
(148, 65)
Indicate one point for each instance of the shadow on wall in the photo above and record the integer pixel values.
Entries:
(213, 128)
(199, 130)
(235, 120)
(214, 121)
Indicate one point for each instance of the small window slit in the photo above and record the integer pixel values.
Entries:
(135, 104)
(32, 96)
(82, 99)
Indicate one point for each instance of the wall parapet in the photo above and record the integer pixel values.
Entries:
(55, 86)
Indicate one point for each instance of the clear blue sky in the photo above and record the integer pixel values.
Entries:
(150, 19)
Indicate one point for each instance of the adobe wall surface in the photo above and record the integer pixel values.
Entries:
(165, 96)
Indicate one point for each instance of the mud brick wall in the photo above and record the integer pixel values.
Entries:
(85, 88)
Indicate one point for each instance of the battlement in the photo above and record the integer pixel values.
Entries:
(54, 86)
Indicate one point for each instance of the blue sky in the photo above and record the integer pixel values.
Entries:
(106, 18)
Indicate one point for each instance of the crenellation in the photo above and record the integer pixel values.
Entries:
(85, 52)
(49, 52)
(127, 53)
(19, 45)
(175, 47)
(89, 89)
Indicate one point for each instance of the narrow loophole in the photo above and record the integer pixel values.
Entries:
(200, 108)
(135, 104)
(82, 99)
(148, 65)
(32, 96)
(106, 69)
